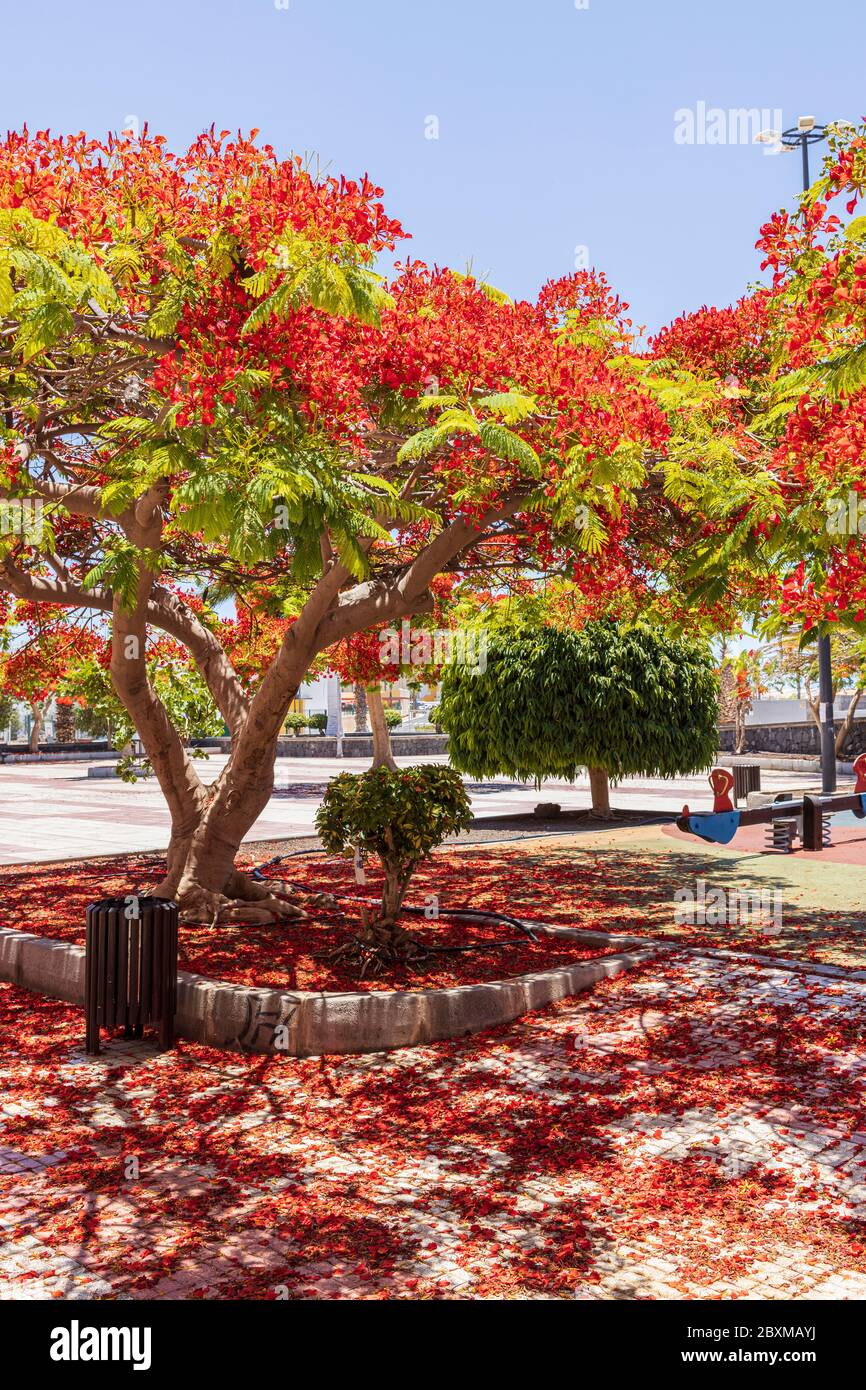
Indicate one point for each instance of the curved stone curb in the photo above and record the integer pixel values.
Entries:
(303, 1024)
(808, 967)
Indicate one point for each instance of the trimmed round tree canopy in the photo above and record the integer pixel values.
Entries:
(628, 700)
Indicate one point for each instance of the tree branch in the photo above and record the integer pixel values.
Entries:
(164, 611)
(180, 783)
(172, 615)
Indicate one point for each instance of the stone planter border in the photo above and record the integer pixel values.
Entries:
(303, 1024)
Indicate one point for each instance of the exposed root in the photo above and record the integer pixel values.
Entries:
(373, 959)
(326, 900)
(267, 909)
(215, 909)
(380, 945)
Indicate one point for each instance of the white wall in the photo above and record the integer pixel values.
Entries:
(793, 711)
(315, 693)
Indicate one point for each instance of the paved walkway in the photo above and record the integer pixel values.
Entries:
(55, 811)
(691, 1130)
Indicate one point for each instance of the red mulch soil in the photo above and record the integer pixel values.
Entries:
(616, 890)
(51, 900)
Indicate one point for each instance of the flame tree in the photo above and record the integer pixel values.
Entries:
(40, 646)
(206, 386)
(777, 491)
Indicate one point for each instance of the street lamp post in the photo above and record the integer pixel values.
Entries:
(805, 133)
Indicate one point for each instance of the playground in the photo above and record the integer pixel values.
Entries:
(788, 816)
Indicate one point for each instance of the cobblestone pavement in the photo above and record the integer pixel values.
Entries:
(691, 1129)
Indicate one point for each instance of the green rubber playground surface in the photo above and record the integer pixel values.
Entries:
(643, 881)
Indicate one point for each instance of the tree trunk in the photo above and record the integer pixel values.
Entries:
(209, 823)
(393, 893)
(599, 787)
(37, 709)
(64, 723)
(845, 727)
(382, 753)
(206, 837)
(361, 723)
(739, 727)
(201, 873)
(381, 932)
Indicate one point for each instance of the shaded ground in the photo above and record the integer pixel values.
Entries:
(626, 880)
(693, 1129)
(52, 900)
(690, 1130)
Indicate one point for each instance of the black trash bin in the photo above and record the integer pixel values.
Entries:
(747, 778)
(131, 967)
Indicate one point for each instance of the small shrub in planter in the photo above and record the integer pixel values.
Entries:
(318, 721)
(296, 721)
(400, 817)
(393, 717)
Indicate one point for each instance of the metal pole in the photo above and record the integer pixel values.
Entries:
(828, 728)
(825, 660)
(804, 146)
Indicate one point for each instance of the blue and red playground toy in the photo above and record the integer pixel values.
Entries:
(720, 825)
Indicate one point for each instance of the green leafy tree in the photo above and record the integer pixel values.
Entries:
(177, 682)
(789, 662)
(9, 717)
(400, 816)
(620, 701)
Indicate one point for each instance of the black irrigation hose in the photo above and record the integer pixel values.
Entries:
(278, 859)
(471, 912)
(459, 912)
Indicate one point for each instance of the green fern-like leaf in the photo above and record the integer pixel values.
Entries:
(506, 445)
(511, 406)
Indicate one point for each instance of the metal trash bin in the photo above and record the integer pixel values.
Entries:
(131, 967)
(747, 778)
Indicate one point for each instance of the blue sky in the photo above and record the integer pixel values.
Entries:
(556, 124)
